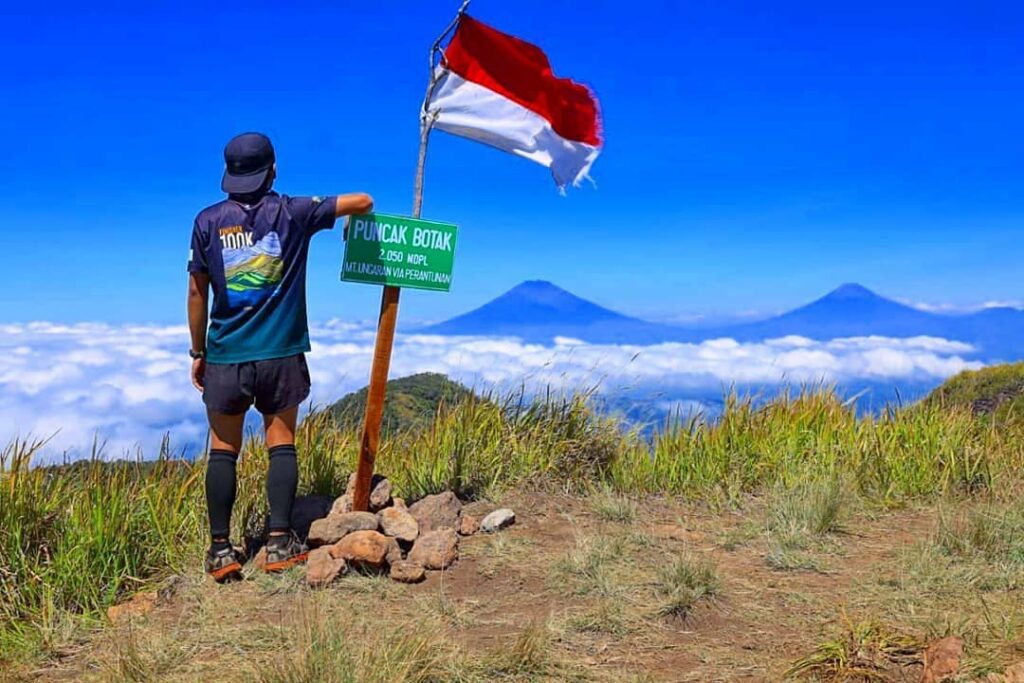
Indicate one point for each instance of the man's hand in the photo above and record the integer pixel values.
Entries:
(198, 371)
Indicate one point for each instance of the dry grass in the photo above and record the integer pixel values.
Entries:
(685, 582)
(610, 506)
(526, 658)
(592, 566)
(802, 521)
(497, 552)
(609, 616)
(321, 648)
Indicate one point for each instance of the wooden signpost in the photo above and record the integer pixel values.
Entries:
(389, 309)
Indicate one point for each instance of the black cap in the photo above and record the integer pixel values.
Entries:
(248, 159)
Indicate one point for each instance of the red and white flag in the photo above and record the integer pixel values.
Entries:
(497, 89)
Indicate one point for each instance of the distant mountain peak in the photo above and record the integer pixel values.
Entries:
(538, 289)
(538, 309)
(851, 290)
(532, 298)
(537, 284)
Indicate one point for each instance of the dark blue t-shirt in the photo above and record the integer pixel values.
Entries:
(255, 256)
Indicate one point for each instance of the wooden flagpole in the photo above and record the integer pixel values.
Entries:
(389, 312)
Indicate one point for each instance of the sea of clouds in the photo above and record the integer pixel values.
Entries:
(126, 386)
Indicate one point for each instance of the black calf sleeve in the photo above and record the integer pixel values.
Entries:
(282, 478)
(220, 491)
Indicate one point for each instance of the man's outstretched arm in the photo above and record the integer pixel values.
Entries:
(198, 314)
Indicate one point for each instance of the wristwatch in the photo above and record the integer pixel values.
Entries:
(196, 355)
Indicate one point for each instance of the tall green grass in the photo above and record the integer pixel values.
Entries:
(816, 435)
(74, 540)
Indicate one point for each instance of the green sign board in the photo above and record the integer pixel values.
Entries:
(402, 252)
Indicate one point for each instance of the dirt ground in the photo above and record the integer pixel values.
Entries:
(579, 583)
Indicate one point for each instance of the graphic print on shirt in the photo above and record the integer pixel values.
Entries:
(252, 269)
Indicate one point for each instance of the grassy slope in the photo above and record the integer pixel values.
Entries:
(69, 546)
(412, 401)
(607, 587)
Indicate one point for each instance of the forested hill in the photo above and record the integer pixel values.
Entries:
(411, 401)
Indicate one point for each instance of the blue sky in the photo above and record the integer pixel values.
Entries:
(756, 155)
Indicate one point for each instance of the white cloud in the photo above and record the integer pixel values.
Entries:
(129, 384)
(961, 309)
(709, 319)
(1003, 304)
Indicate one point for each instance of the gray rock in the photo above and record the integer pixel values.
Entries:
(498, 520)
(436, 549)
(468, 525)
(407, 571)
(342, 504)
(398, 523)
(380, 495)
(380, 491)
(333, 528)
(437, 511)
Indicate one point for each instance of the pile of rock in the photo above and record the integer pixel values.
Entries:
(404, 541)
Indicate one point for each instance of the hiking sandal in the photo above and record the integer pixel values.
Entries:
(282, 554)
(224, 565)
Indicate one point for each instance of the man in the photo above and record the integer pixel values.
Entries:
(251, 249)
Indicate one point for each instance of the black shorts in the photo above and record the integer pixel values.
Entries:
(273, 385)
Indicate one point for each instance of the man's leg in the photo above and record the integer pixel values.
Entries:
(283, 548)
(225, 443)
(283, 474)
(281, 385)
